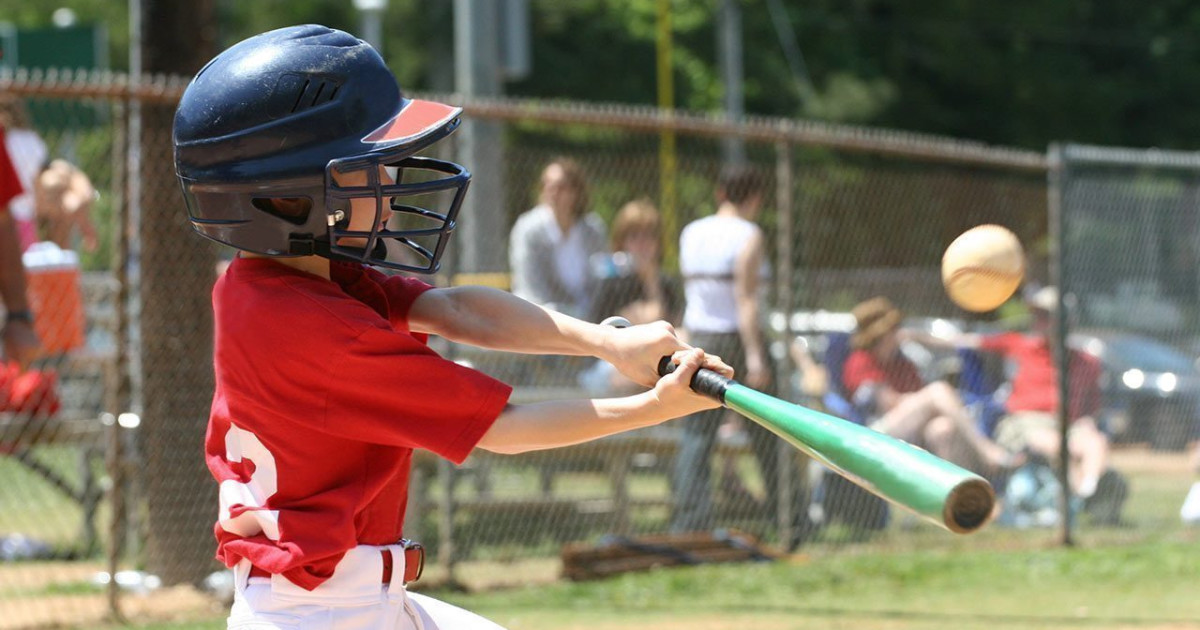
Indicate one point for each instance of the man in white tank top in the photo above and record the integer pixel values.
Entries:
(724, 268)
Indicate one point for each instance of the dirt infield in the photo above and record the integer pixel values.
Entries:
(88, 611)
(63, 595)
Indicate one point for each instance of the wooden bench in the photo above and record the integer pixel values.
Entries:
(619, 458)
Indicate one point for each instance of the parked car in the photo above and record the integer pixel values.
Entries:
(1151, 390)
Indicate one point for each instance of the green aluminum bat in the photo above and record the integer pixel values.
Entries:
(934, 489)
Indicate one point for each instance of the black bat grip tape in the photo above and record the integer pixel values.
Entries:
(704, 381)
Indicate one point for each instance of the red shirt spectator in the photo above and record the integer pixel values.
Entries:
(863, 367)
(1035, 385)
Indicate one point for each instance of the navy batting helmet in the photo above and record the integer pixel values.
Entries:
(262, 129)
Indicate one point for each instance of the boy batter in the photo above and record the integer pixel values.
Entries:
(297, 148)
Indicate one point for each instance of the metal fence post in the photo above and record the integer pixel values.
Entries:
(785, 463)
(1058, 178)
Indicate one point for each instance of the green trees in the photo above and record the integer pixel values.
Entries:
(1024, 72)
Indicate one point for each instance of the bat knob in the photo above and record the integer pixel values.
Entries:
(616, 321)
(666, 366)
(704, 381)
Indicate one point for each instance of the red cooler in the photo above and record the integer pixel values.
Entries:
(52, 275)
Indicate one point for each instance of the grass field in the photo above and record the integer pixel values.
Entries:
(910, 576)
(1152, 585)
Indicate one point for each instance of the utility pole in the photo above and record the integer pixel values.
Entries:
(371, 14)
(667, 154)
(483, 219)
(729, 40)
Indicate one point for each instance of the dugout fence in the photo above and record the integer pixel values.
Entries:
(850, 213)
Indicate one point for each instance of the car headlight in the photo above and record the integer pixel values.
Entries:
(1134, 379)
(1166, 382)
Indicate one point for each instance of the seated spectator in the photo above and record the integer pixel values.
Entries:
(551, 245)
(632, 284)
(631, 281)
(1032, 408)
(63, 197)
(886, 386)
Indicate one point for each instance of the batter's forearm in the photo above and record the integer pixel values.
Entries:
(538, 426)
(12, 272)
(494, 319)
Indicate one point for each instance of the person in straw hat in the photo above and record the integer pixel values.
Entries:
(1031, 423)
(887, 387)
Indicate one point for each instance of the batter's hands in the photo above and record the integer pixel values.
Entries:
(635, 351)
(674, 391)
(21, 343)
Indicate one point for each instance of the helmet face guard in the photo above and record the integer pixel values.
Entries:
(414, 236)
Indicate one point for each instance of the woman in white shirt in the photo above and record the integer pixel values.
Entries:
(551, 245)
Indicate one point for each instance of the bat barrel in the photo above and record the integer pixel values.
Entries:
(942, 493)
(969, 506)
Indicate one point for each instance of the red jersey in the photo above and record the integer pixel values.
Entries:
(10, 184)
(322, 393)
(863, 367)
(1035, 385)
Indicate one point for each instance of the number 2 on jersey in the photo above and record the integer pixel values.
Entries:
(249, 498)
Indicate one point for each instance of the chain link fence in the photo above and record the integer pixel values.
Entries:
(55, 519)
(847, 214)
(1131, 268)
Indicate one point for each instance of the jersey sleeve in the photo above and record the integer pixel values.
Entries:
(391, 389)
(401, 292)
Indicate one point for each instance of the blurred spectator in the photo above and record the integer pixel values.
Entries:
(812, 378)
(551, 245)
(632, 284)
(63, 200)
(1032, 408)
(886, 386)
(28, 154)
(631, 281)
(20, 341)
(723, 264)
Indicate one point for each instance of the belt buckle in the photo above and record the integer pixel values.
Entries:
(412, 544)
